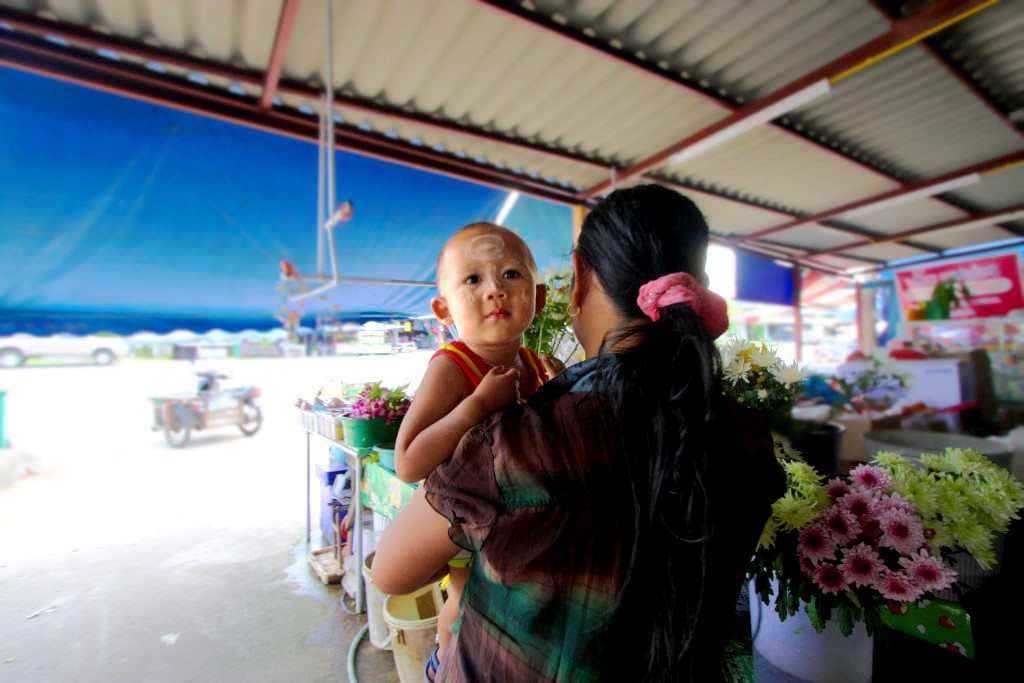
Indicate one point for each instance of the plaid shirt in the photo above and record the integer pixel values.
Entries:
(538, 495)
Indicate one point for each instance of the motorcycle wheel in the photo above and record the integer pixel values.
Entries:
(252, 419)
(177, 438)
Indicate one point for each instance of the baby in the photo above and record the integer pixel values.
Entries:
(488, 289)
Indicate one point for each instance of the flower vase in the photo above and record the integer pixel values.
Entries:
(795, 648)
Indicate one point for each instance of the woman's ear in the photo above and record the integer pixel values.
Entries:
(580, 275)
(440, 309)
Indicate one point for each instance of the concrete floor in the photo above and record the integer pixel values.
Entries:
(126, 560)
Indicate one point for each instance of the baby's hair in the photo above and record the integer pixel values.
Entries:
(487, 226)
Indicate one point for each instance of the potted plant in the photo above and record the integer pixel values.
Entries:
(550, 334)
(833, 554)
(374, 415)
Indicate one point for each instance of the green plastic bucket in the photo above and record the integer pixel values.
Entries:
(362, 433)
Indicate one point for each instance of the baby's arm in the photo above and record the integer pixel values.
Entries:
(444, 409)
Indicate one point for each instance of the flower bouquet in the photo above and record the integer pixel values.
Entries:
(374, 415)
(885, 534)
(756, 377)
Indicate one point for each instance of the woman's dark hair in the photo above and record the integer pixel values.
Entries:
(662, 383)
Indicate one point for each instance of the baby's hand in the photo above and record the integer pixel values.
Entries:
(498, 388)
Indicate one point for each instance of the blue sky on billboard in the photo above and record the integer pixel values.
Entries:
(117, 207)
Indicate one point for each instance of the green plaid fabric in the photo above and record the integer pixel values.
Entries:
(538, 495)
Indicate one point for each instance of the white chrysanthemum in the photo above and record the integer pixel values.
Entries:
(788, 374)
(730, 349)
(763, 356)
(737, 370)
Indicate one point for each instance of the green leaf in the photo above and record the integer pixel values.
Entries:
(846, 619)
(812, 612)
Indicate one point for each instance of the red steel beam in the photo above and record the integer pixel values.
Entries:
(285, 23)
(935, 227)
(989, 166)
(903, 33)
(139, 83)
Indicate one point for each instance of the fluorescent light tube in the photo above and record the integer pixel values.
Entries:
(769, 113)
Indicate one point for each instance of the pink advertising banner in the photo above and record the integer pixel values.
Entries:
(993, 281)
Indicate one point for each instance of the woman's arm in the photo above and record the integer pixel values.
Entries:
(414, 549)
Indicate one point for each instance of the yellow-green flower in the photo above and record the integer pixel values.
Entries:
(767, 539)
(793, 511)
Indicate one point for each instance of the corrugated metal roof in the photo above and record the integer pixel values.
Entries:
(465, 62)
(769, 164)
(996, 190)
(727, 217)
(962, 237)
(520, 86)
(886, 251)
(912, 113)
(990, 47)
(815, 236)
(907, 216)
(743, 49)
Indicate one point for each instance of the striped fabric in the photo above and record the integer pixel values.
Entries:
(474, 367)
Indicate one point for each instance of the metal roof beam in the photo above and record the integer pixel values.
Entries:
(912, 191)
(282, 36)
(902, 34)
(977, 220)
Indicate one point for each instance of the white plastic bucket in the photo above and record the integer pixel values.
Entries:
(413, 624)
(795, 648)
(380, 636)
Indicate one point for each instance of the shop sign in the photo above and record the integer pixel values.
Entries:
(993, 281)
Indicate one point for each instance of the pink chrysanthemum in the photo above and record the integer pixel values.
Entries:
(928, 572)
(859, 503)
(871, 528)
(862, 565)
(895, 501)
(830, 578)
(897, 587)
(807, 566)
(901, 531)
(837, 488)
(870, 478)
(841, 524)
(815, 544)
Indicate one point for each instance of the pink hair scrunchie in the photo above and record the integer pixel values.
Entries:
(683, 288)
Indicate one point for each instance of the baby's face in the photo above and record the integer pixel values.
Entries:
(488, 286)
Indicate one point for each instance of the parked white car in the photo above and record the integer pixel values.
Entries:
(16, 349)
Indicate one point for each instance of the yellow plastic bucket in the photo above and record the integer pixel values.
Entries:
(412, 620)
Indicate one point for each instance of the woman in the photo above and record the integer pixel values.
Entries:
(613, 516)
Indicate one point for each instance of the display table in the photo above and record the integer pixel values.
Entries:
(380, 490)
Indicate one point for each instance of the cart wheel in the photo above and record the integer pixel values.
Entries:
(177, 438)
(252, 419)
